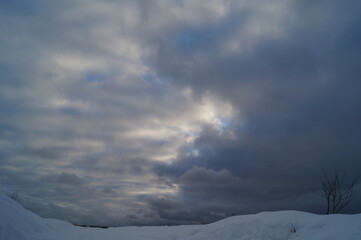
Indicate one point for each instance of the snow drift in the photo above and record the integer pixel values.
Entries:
(16, 223)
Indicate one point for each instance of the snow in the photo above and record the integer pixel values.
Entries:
(16, 223)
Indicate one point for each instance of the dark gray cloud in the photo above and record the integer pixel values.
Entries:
(66, 178)
(297, 103)
(175, 112)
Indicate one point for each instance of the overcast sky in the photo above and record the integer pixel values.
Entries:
(150, 112)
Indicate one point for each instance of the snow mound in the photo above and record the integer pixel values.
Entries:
(16, 223)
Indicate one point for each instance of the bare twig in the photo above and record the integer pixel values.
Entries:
(336, 195)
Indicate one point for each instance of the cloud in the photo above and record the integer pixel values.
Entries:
(152, 108)
(291, 79)
(67, 178)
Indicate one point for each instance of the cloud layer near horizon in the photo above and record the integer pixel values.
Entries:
(137, 112)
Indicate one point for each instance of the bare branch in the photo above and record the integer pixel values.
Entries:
(335, 194)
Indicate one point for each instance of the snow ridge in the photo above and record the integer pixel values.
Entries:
(16, 223)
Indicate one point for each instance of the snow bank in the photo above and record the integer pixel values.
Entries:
(16, 223)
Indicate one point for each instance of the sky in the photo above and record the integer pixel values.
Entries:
(119, 112)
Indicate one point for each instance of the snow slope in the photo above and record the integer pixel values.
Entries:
(16, 223)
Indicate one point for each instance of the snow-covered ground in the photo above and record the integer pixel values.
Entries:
(16, 223)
